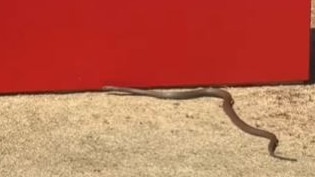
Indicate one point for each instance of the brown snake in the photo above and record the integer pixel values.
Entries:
(209, 92)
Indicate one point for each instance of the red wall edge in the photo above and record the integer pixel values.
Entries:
(78, 45)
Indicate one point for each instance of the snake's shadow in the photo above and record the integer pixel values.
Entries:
(122, 94)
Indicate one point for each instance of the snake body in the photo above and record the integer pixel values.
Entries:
(209, 92)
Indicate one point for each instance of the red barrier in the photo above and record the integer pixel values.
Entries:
(77, 45)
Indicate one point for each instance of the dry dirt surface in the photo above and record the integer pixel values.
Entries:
(96, 134)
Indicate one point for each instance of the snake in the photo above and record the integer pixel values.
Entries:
(228, 103)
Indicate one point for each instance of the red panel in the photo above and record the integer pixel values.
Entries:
(79, 44)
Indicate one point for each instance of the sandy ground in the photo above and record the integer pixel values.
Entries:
(96, 134)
